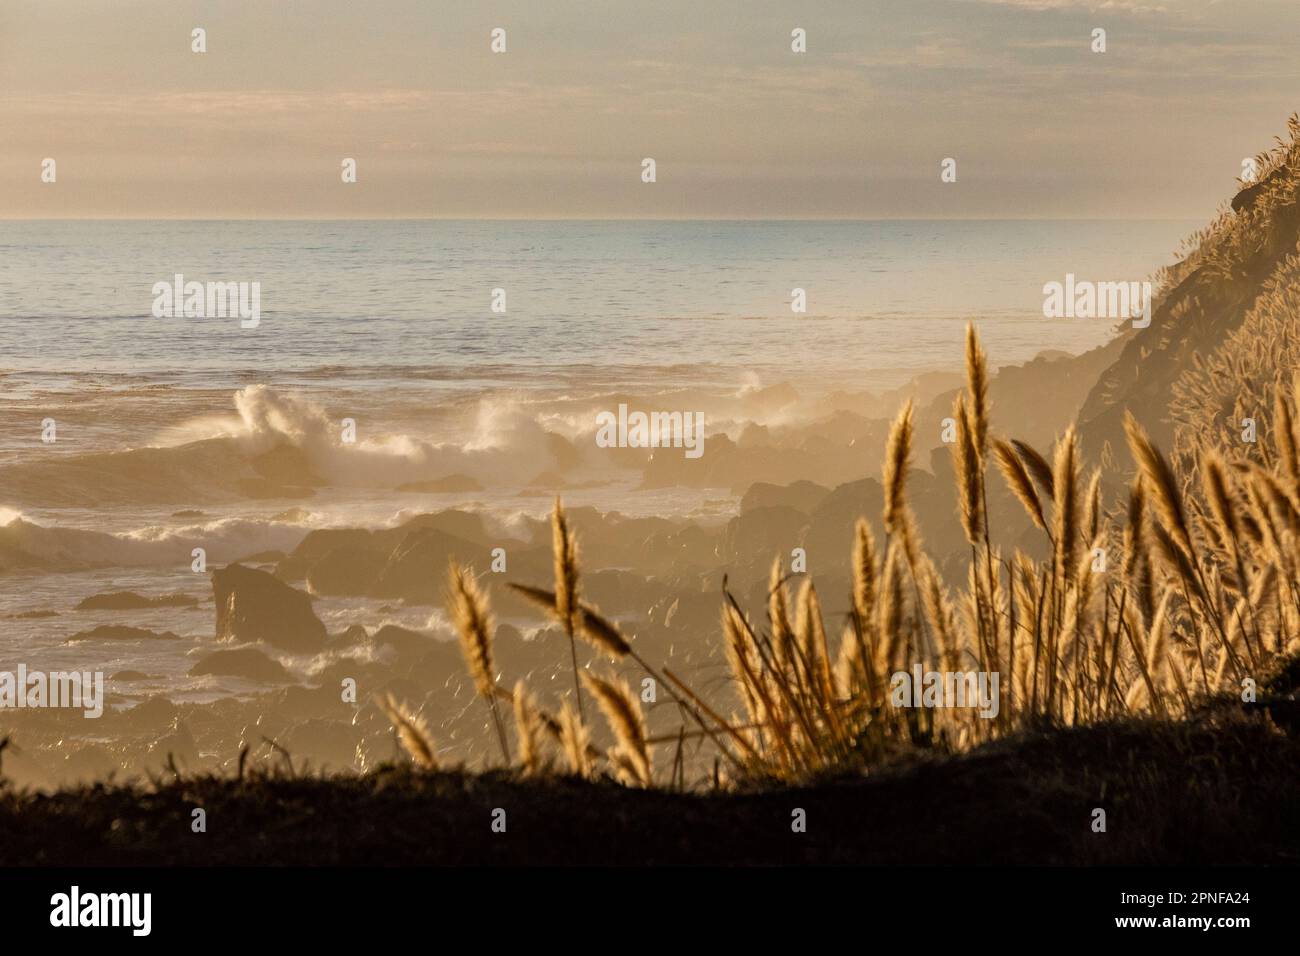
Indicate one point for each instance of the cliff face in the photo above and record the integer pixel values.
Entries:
(1219, 321)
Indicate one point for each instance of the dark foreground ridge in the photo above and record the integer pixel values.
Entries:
(1217, 789)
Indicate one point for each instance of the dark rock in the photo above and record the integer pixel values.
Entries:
(688, 614)
(562, 451)
(155, 712)
(438, 661)
(689, 547)
(618, 592)
(453, 521)
(317, 544)
(345, 571)
(416, 570)
(829, 540)
(131, 601)
(246, 662)
(271, 557)
(255, 606)
(286, 464)
(754, 435)
(354, 636)
(762, 534)
(803, 496)
(329, 694)
(120, 632)
(406, 643)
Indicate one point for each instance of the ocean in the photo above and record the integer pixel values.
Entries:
(390, 324)
(363, 299)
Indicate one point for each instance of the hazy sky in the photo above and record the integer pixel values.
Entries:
(556, 127)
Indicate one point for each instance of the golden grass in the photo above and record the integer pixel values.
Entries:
(1202, 596)
(632, 754)
(412, 731)
(528, 730)
(472, 617)
(1253, 366)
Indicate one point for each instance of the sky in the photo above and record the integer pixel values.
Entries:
(557, 126)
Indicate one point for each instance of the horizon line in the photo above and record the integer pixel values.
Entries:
(612, 219)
